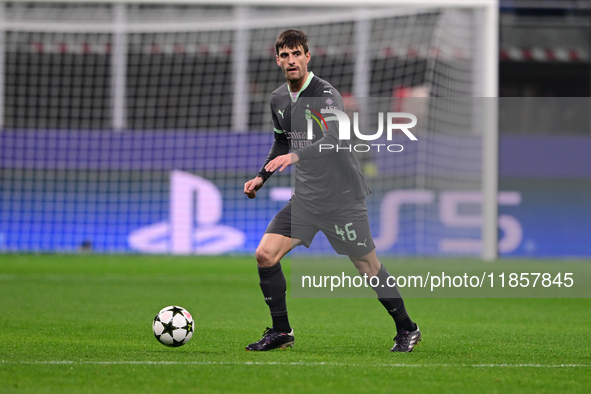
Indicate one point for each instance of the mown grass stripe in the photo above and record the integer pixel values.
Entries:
(331, 364)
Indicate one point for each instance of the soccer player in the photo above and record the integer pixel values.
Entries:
(329, 196)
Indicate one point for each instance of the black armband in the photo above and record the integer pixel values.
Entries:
(280, 147)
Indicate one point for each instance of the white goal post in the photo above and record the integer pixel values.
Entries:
(131, 24)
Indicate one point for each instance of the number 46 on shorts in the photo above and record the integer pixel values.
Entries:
(351, 234)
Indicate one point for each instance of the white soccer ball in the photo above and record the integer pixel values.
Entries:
(173, 326)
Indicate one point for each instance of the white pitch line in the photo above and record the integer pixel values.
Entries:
(330, 364)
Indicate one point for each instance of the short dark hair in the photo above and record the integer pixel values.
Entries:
(291, 38)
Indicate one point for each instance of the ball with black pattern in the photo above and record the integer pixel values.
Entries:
(173, 326)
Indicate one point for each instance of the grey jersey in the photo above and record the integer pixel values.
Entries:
(325, 180)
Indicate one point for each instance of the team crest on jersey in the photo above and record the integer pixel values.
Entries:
(329, 101)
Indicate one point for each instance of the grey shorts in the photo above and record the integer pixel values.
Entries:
(346, 228)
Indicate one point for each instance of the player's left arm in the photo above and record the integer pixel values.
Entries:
(282, 162)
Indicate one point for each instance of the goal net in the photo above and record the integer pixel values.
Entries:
(133, 127)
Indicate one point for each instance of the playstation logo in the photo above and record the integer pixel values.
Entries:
(195, 210)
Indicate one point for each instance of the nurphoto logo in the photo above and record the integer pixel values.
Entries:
(392, 119)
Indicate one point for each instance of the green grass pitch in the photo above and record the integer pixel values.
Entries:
(82, 324)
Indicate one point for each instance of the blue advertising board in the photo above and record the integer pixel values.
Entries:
(181, 192)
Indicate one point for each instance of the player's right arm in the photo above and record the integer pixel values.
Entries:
(280, 147)
(251, 187)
